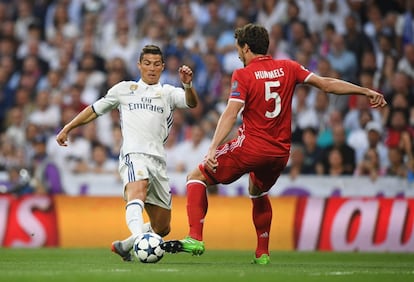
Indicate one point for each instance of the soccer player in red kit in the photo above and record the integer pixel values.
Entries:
(262, 91)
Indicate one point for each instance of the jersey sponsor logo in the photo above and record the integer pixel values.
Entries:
(146, 104)
(234, 85)
(269, 74)
(235, 94)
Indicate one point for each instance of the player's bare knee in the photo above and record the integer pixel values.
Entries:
(164, 231)
(195, 175)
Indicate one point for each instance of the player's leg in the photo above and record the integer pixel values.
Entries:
(135, 193)
(197, 202)
(260, 182)
(160, 219)
(197, 205)
(262, 219)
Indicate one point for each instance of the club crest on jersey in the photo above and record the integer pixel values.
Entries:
(133, 87)
(234, 85)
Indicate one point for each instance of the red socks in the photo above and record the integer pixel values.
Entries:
(196, 208)
(262, 219)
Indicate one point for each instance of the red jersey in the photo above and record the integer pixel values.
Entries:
(266, 88)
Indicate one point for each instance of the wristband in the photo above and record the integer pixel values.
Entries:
(187, 85)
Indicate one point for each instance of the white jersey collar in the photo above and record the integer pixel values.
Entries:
(148, 86)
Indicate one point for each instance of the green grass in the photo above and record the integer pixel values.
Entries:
(101, 265)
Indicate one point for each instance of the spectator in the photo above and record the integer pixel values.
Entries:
(375, 137)
(406, 63)
(190, 152)
(298, 33)
(343, 165)
(397, 166)
(351, 120)
(356, 40)
(342, 60)
(358, 138)
(316, 19)
(115, 145)
(404, 25)
(302, 115)
(271, 12)
(61, 22)
(370, 165)
(312, 152)
(278, 45)
(336, 13)
(46, 115)
(170, 74)
(17, 183)
(369, 137)
(295, 164)
(10, 155)
(373, 24)
(334, 166)
(216, 25)
(46, 174)
(16, 127)
(398, 132)
(100, 163)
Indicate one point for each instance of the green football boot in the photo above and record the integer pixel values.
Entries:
(263, 259)
(188, 245)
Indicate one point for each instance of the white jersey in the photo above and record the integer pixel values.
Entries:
(146, 113)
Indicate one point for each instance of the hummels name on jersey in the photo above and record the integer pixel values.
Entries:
(269, 74)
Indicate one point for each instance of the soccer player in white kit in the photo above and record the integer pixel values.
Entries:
(146, 116)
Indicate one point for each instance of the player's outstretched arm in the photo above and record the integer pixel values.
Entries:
(341, 87)
(85, 116)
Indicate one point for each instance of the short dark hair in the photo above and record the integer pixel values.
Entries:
(255, 36)
(151, 49)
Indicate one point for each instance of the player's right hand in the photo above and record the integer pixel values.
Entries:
(210, 160)
(62, 138)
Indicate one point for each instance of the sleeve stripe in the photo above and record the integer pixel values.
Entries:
(93, 109)
(309, 75)
(236, 100)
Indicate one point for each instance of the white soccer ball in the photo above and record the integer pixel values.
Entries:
(147, 248)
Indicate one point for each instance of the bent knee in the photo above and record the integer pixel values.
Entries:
(162, 231)
(196, 175)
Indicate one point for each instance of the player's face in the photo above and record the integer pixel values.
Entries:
(241, 54)
(151, 67)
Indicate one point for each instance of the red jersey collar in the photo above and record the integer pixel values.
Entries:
(261, 58)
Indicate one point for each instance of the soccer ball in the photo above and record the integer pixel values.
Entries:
(147, 248)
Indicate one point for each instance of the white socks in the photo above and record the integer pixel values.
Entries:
(135, 222)
(133, 215)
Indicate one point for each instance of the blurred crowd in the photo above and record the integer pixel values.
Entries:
(58, 56)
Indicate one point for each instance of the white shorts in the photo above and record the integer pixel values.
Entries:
(135, 167)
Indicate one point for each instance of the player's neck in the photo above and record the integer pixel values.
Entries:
(253, 56)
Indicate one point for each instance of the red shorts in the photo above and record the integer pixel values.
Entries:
(233, 162)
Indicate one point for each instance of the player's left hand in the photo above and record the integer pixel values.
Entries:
(376, 99)
(186, 74)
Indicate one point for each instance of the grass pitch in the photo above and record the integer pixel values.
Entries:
(101, 265)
